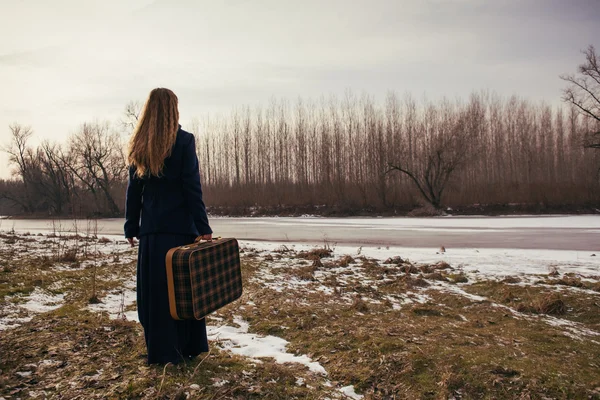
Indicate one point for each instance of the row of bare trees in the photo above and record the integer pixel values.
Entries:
(354, 153)
(84, 177)
(357, 153)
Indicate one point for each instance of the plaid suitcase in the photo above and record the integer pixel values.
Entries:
(203, 277)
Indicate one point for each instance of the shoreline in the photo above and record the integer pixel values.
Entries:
(557, 232)
(324, 211)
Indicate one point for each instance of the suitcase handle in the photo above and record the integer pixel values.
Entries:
(204, 241)
(201, 241)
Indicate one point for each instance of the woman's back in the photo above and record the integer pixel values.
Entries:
(171, 202)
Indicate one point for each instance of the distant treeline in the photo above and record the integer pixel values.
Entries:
(84, 177)
(358, 154)
(350, 155)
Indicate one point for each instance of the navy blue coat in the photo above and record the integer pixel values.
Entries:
(171, 203)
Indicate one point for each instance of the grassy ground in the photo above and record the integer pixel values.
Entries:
(390, 328)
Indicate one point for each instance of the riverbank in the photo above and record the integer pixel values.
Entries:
(341, 211)
(418, 211)
(555, 232)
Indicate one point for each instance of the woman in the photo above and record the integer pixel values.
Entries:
(164, 187)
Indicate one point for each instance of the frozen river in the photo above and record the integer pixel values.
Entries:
(580, 232)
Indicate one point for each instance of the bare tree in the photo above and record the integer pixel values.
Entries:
(337, 156)
(57, 179)
(20, 155)
(583, 92)
(131, 115)
(98, 161)
(446, 140)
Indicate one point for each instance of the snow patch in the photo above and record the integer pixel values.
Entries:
(576, 331)
(12, 321)
(116, 302)
(239, 341)
(40, 301)
(348, 391)
(217, 382)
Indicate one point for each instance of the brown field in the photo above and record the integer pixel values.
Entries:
(391, 328)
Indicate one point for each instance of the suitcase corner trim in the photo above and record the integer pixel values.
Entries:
(171, 284)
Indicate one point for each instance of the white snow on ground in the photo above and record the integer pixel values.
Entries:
(116, 302)
(489, 262)
(13, 316)
(239, 341)
(348, 391)
(267, 278)
(51, 245)
(47, 247)
(576, 330)
(219, 382)
(40, 301)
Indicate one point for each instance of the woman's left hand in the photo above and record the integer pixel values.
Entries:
(207, 237)
(131, 241)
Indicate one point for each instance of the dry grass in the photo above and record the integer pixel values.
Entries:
(571, 305)
(458, 278)
(320, 252)
(69, 255)
(511, 279)
(394, 260)
(430, 351)
(572, 280)
(345, 261)
(392, 331)
(435, 276)
(550, 304)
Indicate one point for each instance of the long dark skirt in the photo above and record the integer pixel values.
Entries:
(167, 340)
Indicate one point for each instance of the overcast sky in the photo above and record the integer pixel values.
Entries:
(64, 62)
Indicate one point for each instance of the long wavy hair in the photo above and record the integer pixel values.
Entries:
(154, 136)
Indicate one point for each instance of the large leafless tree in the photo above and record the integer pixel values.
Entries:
(56, 177)
(21, 157)
(447, 139)
(98, 161)
(583, 93)
(131, 115)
